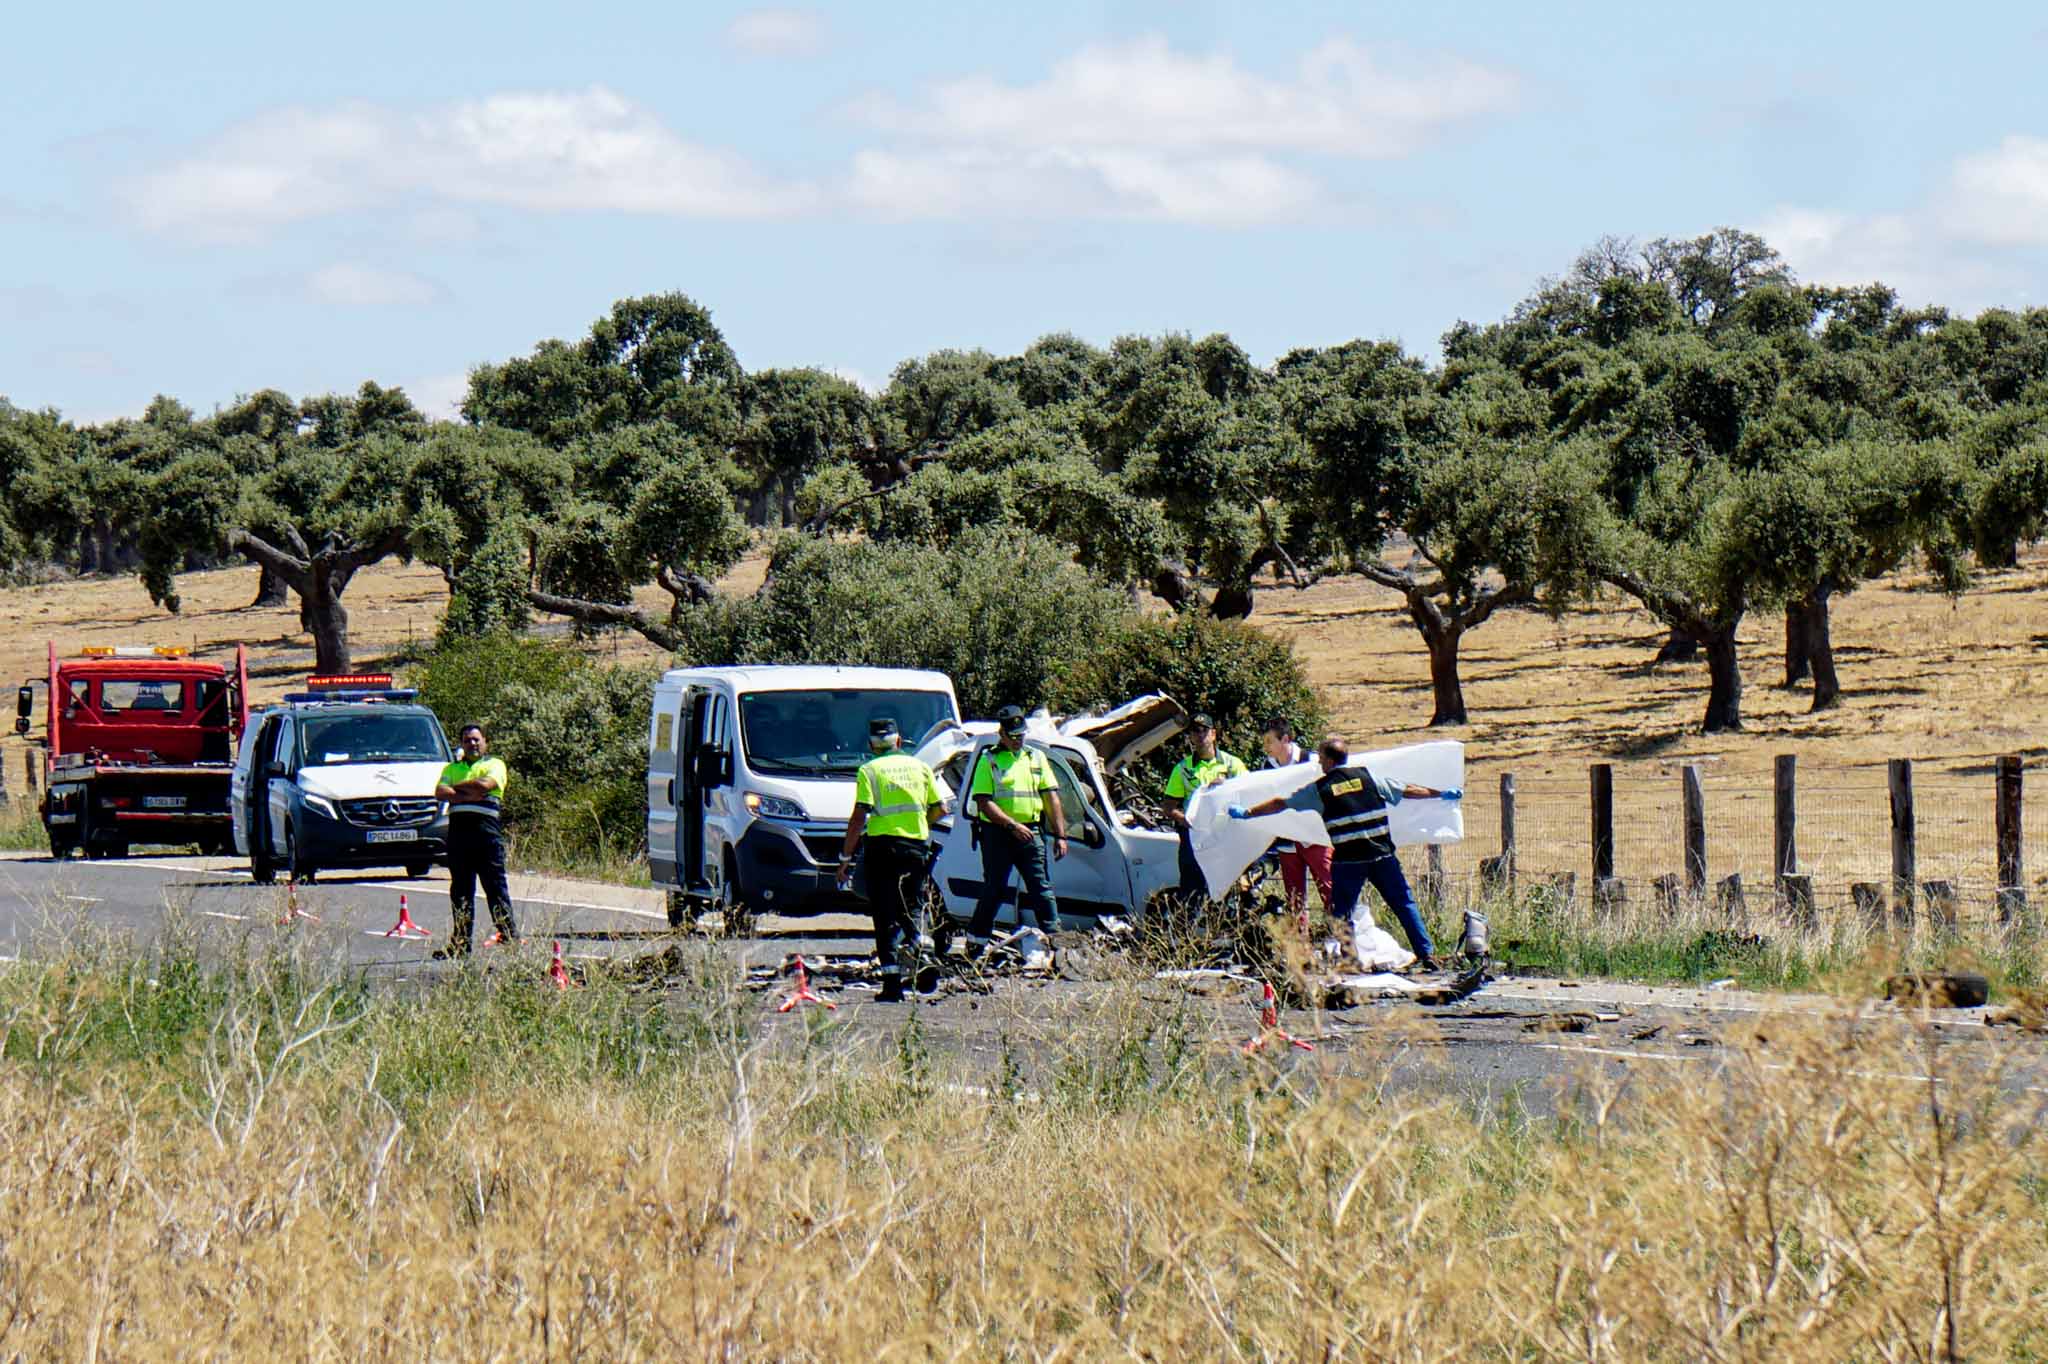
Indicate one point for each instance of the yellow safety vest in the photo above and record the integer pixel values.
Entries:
(1018, 782)
(897, 789)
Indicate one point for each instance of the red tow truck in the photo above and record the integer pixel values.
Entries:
(139, 747)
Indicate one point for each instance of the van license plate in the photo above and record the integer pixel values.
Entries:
(163, 802)
(393, 835)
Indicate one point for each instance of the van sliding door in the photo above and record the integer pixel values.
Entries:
(696, 716)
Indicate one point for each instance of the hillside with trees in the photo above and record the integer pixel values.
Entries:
(1680, 423)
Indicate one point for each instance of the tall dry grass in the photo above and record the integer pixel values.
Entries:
(263, 1157)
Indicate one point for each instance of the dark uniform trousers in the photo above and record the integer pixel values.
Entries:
(1002, 854)
(476, 851)
(895, 869)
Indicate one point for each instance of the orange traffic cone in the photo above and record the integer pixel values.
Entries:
(404, 928)
(292, 913)
(803, 993)
(558, 970)
(1269, 1024)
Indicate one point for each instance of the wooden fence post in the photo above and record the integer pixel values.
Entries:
(1507, 828)
(2012, 882)
(1728, 896)
(1869, 898)
(1941, 905)
(1603, 824)
(1905, 859)
(32, 766)
(1695, 832)
(1433, 874)
(1785, 832)
(1798, 891)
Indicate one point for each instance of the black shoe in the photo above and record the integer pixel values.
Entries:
(892, 990)
(1428, 963)
(449, 953)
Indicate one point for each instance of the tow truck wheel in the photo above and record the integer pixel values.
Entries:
(61, 848)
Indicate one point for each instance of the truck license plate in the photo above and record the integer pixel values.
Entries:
(394, 835)
(163, 802)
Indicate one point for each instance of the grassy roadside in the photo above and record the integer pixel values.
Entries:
(1535, 932)
(21, 827)
(489, 1168)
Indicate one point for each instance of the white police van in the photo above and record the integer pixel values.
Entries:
(340, 775)
(750, 778)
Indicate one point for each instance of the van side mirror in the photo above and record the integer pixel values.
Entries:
(711, 768)
(275, 769)
(1092, 835)
(24, 707)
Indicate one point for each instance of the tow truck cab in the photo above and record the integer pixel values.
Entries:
(341, 775)
(137, 747)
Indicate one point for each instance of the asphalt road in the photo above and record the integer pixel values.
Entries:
(1489, 1050)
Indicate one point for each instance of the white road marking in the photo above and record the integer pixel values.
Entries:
(85, 899)
(217, 914)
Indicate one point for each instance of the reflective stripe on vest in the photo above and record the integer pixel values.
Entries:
(1355, 814)
(1017, 787)
(473, 808)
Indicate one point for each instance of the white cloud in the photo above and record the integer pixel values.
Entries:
(1956, 248)
(778, 33)
(438, 395)
(587, 151)
(1145, 94)
(2001, 196)
(1141, 130)
(351, 285)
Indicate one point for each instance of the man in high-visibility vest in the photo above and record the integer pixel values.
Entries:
(1204, 764)
(1354, 805)
(1020, 827)
(474, 787)
(895, 803)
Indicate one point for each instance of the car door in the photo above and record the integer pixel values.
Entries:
(664, 789)
(1091, 880)
(278, 800)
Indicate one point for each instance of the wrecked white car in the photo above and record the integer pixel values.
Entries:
(1114, 863)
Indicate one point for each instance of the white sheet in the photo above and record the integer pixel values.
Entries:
(1224, 847)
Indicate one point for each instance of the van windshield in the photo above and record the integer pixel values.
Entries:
(397, 738)
(825, 733)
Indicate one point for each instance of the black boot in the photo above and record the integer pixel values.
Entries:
(892, 986)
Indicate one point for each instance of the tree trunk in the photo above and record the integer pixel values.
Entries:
(1827, 688)
(1443, 675)
(1233, 601)
(1798, 644)
(270, 590)
(1724, 695)
(103, 539)
(327, 619)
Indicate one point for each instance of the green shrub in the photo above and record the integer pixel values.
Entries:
(1004, 612)
(572, 731)
(1232, 671)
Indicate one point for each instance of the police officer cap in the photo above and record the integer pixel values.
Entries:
(883, 728)
(1200, 721)
(1010, 720)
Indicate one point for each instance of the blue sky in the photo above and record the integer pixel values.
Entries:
(207, 200)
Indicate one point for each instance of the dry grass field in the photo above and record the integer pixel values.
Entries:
(267, 1160)
(1951, 683)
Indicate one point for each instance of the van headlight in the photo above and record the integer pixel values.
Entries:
(773, 807)
(319, 804)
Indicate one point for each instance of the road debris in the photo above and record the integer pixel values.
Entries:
(1938, 989)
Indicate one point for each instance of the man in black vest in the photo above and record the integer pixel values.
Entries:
(1354, 805)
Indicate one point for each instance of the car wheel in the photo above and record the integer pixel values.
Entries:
(416, 870)
(733, 911)
(301, 870)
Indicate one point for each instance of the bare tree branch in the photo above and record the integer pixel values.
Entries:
(606, 613)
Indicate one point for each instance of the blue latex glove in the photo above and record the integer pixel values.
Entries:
(1455, 793)
(1238, 812)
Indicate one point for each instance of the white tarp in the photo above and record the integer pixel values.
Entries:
(1224, 847)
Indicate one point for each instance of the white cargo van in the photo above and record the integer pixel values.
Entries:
(750, 778)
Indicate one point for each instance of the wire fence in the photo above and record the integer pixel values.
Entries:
(1843, 834)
